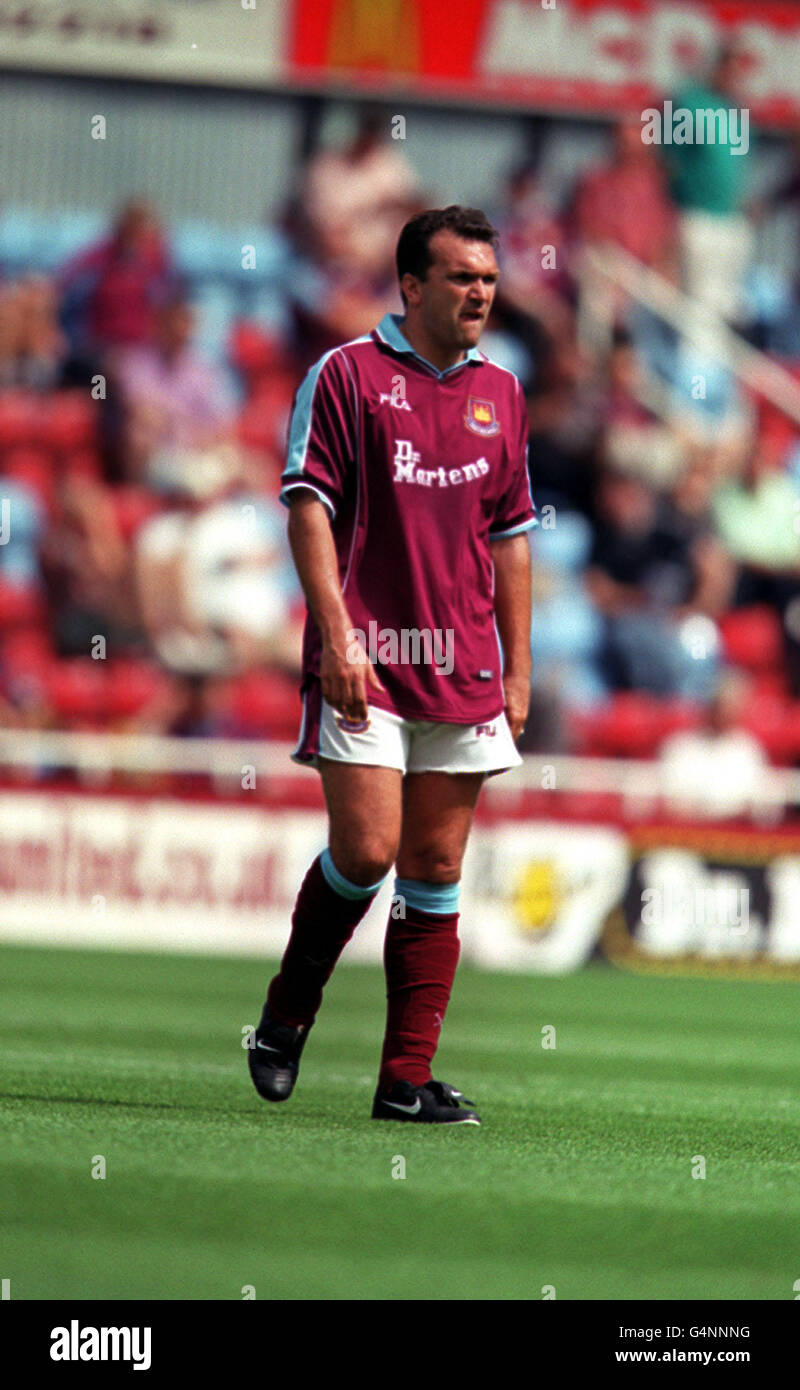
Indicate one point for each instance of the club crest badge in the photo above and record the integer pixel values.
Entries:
(480, 417)
(352, 726)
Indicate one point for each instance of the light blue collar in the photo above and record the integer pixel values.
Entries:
(388, 331)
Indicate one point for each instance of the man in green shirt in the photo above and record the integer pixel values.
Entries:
(706, 148)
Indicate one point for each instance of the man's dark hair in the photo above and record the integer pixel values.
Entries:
(413, 248)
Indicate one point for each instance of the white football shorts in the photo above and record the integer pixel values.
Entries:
(388, 740)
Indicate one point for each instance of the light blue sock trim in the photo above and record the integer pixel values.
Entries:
(441, 898)
(342, 885)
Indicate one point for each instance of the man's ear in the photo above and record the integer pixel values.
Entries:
(410, 286)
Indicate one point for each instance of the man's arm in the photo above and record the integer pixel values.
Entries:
(345, 680)
(611, 596)
(512, 606)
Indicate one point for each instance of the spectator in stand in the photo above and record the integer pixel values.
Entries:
(586, 406)
(88, 572)
(565, 421)
(357, 198)
(22, 525)
(349, 209)
(532, 299)
(566, 632)
(176, 409)
(9, 334)
(757, 518)
(627, 202)
(33, 348)
(635, 435)
(214, 579)
(786, 193)
(647, 582)
(708, 180)
(686, 515)
(715, 772)
(779, 330)
(24, 702)
(110, 291)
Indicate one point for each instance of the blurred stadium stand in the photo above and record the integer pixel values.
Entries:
(646, 585)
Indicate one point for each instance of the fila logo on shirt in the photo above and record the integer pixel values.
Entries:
(406, 470)
(399, 402)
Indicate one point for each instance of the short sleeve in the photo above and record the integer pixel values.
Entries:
(322, 433)
(515, 511)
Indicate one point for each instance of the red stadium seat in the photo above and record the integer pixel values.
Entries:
(131, 685)
(770, 684)
(752, 638)
(254, 352)
(674, 716)
(133, 507)
(27, 649)
(33, 468)
(583, 731)
(70, 422)
(633, 729)
(76, 688)
(20, 605)
(775, 722)
(777, 434)
(84, 463)
(630, 725)
(266, 704)
(25, 659)
(262, 423)
(21, 418)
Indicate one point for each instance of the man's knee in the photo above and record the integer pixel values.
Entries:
(365, 861)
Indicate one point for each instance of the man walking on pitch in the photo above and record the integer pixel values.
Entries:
(408, 496)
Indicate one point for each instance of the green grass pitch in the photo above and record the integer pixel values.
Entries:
(580, 1177)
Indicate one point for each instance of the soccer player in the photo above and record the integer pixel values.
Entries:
(409, 503)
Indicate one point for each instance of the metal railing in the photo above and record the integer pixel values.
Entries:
(608, 264)
(96, 757)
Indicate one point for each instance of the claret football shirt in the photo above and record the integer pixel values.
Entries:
(420, 471)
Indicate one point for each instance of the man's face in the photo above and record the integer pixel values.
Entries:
(454, 299)
(731, 74)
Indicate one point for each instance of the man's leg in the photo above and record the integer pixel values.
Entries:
(422, 948)
(365, 807)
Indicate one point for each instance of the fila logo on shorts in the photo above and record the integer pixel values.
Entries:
(489, 730)
(406, 458)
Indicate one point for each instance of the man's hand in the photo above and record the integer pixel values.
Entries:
(512, 606)
(347, 675)
(517, 691)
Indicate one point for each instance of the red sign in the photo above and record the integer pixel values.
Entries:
(604, 55)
